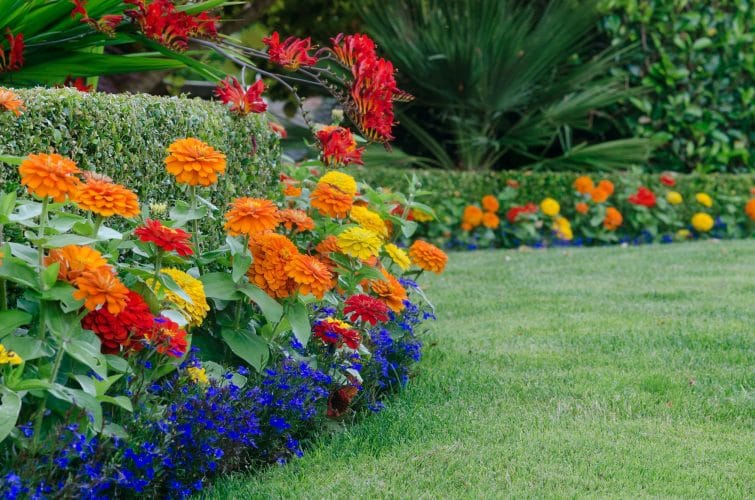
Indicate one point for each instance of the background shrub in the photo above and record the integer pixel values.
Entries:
(695, 58)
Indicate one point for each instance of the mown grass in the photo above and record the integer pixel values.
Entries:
(600, 372)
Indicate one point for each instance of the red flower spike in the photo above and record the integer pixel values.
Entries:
(161, 22)
(365, 309)
(339, 147)
(230, 92)
(79, 8)
(166, 238)
(643, 197)
(13, 59)
(78, 83)
(278, 129)
(292, 53)
(351, 49)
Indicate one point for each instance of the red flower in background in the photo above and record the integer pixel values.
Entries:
(166, 238)
(161, 22)
(292, 53)
(106, 24)
(339, 400)
(643, 197)
(335, 332)
(668, 180)
(339, 146)
(78, 83)
(166, 337)
(13, 59)
(398, 211)
(278, 129)
(514, 212)
(232, 93)
(116, 330)
(365, 309)
(79, 7)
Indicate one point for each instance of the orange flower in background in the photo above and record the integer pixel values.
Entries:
(613, 219)
(293, 218)
(11, 101)
(389, 291)
(606, 186)
(195, 163)
(311, 274)
(599, 195)
(490, 220)
(512, 183)
(251, 215)
(291, 190)
(331, 201)
(428, 257)
(490, 203)
(49, 175)
(582, 207)
(101, 288)
(584, 184)
(750, 208)
(471, 218)
(328, 246)
(272, 252)
(74, 260)
(106, 198)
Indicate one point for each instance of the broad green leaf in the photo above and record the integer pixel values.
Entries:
(88, 354)
(64, 222)
(10, 320)
(63, 292)
(117, 363)
(61, 240)
(50, 274)
(82, 400)
(299, 319)
(28, 347)
(271, 309)
(248, 346)
(10, 407)
(26, 210)
(183, 213)
(17, 271)
(171, 285)
(241, 265)
(219, 285)
(121, 401)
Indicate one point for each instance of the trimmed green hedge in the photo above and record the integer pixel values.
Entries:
(126, 136)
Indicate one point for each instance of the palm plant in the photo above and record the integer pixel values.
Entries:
(502, 79)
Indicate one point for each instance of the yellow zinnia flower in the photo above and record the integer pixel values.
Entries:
(344, 182)
(9, 357)
(704, 199)
(562, 227)
(702, 222)
(674, 198)
(398, 256)
(194, 311)
(359, 242)
(198, 375)
(550, 207)
(369, 220)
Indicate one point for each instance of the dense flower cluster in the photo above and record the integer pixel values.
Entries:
(163, 23)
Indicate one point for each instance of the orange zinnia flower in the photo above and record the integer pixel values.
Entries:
(272, 252)
(750, 208)
(599, 195)
(490, 203)
(49, 175)
(582, 207)
(251, 215)
(613, 219)
(11, 101)
(490, 220)
(74, 260)
(311, 274)
(101, 288)
(331, 201)
(606, 186)
(583, 184)
(428, 257)
(295, 218)
(389, 291)
(290, 189)
(194, 163)
(106, 198)
(472, 217)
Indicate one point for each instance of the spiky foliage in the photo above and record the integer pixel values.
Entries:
(503, 79)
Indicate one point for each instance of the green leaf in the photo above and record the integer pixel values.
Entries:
(171, 285)
(50, 274)
(10, 320)
(80, 399)
(299, 319)
(28, 347)
(271, 309)
(220, 285)
(61, 240)
(241, 265)
(183, 213)
(248, 346)
(88, 354)
(17, 271)
(408, 228)
(63, 292)
(10, 407)
(117, 363)
(121, 401)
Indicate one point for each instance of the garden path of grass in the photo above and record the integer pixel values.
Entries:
(608, 371)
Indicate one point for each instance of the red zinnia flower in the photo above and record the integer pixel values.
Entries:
(667, 180)
(116, 330)
(14, 58)
(365, 309)
(339, 147)
(232, 93)
(166, 238)
(78, 83)
(167, 337)
(291, 53)
(643, 197)
(514, 212)
(337, 333)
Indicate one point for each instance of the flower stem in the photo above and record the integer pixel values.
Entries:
(195, 222)
(43, 407)
(42, 332)
(3, 289)
(97, 224)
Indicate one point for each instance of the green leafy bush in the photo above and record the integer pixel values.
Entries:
(126, 136)
(697, 61)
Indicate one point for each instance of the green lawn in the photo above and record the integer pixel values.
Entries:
(605, 372)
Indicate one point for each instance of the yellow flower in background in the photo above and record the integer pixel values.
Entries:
(194, 311)
(421, 216)
(702, 222)
(398, 256)
(674, 198)
(198, 375)
(9, 357)
(704, 199)
(562, 227)
(344, 182)
(369, 220)
(359, 242)
(683, 234)
(550, 207)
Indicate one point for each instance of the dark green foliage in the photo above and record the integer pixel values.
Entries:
(697, 59)
(502, 81)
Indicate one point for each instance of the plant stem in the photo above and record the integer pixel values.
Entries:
(195, 222)
(158, 266)
(3, 289)
(41, 412)
(97, 224)
(41, 262)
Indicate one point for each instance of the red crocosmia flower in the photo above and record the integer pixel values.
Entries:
(120, 329)
(643, 197)
(161, 22)
(206, 26)
(350, 49)
(339, 400)
(365, 309)
(667, 180)
(279, 129)
(79, 7)
(514, 212)
(77, 83)
(232, 93)
(337, 333)
(167, 337)
(372, 93)
(339, 147)
(166, 238)
(13, 59)
(291, 53)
